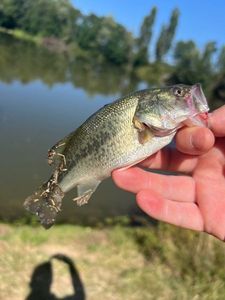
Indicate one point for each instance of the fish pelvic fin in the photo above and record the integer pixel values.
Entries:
(45, 203)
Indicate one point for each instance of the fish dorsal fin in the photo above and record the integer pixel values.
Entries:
(85, 190)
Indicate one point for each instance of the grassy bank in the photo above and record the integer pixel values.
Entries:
(22, 35)
(110, 263)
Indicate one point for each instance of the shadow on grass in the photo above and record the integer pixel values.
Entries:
(42, 278)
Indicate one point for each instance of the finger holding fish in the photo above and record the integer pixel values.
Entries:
(183, 214)
(194, 140)
(173, 187)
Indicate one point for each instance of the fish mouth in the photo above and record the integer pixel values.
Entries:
(198, 107)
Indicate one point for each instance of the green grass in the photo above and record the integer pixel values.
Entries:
(114, 262)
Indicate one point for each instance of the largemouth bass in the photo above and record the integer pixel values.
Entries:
(119, 135)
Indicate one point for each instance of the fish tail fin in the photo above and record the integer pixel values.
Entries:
(45, 203)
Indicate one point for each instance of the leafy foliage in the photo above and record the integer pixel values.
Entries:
(221, 60)
(103, 35)
(99, 36)
(219, 80)
(142, 56)
(192, 65)
(11, 13)
(46, 18)
(60, 26)
(166, 36)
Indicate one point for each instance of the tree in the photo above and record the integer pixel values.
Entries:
(206, 59)
(49, 18)
(10, 13)
(87, 31)
(166, 36)
(219, 82)
(192, 66)
(103, 36)
(114, 42)
(221, 61)
(142, 42)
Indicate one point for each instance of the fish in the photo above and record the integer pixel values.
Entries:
(119, 135)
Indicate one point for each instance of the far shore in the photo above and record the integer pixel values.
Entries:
(20, 34)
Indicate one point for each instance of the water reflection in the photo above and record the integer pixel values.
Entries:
(44, 96)
(27, 62)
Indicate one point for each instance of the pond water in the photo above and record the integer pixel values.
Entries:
(43, 97)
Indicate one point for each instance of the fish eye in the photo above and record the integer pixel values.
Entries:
(178, 92)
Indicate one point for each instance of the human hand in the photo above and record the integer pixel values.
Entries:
(196, 201)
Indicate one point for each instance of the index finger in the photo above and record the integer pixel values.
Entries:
(216, 121)
(169, 159)
(190, 142)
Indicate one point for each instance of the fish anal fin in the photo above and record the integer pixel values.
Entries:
(85, 191)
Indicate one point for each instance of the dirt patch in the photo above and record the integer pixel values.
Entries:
(4, 230)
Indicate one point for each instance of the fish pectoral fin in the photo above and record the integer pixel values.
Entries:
(85, 191)
(144, 132)
(138, 124)
(145, 136)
